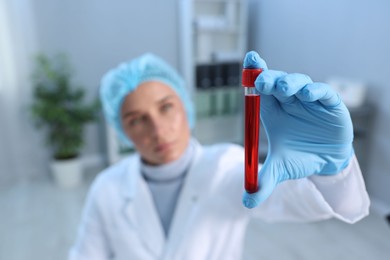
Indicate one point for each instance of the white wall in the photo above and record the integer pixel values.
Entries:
(334, 38)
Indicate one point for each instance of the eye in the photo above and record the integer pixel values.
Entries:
(135, 121)
(166, 107)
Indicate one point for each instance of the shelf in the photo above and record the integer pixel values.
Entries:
(227, 31)
(214, 32)
(215, 24)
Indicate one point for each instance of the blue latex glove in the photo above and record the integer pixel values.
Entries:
(309, 128)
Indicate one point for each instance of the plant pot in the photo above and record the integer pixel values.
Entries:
(67, 173)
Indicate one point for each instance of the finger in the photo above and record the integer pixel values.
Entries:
(288, 85)
(266, 81)
(267, 183)
(252, 60)
(319, 92)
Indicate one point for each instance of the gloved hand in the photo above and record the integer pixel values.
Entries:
(309, 128)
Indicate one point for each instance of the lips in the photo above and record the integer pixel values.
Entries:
(163, 147)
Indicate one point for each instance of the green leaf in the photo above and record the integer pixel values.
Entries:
(59, 106)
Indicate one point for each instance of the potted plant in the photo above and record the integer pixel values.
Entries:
(59, 109)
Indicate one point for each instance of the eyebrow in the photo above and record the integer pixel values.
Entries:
(165, 99)
(135, 112)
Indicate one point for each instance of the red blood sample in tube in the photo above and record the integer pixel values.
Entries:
(252, 118)
(252, 127)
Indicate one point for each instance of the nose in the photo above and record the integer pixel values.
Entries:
(157, 127)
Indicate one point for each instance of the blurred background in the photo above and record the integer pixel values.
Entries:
(345, 43)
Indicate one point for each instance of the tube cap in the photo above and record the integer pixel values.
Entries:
(249, 76)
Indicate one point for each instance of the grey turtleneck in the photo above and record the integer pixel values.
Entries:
(165, 183)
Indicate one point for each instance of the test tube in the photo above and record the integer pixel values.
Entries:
(252, 125)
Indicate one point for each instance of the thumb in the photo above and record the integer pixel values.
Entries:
(267, 182)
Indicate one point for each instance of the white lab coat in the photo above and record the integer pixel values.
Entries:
(121, 222)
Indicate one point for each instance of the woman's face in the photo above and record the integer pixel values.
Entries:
(153, 117)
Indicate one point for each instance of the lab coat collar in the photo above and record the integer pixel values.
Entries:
(130, 177)
(139, 209)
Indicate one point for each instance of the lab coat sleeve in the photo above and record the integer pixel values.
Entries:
(342, 196)
(91, 242)
(345, 192)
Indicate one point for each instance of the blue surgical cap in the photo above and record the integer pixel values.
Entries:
(119, 82)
